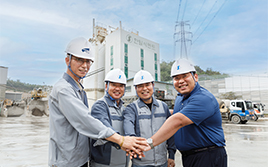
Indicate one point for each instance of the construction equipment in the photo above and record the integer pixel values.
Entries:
(11, 108)
(38, 106)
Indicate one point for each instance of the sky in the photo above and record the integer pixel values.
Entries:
(229, 36)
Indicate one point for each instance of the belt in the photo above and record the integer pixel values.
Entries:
(190, 152)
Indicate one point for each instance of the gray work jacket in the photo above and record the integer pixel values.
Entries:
(139, 120)
(109, 154)
(70, 125)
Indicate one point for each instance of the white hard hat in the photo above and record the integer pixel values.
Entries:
(142, 77)
(80, 47)
(182, 66)
(117, 76)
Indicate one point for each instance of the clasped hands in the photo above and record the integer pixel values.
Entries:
(134, 146)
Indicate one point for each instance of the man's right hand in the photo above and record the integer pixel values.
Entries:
(134, 146)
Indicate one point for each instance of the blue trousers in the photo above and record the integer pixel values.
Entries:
(209, 158)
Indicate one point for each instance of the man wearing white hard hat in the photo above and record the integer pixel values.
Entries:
(144, 117)
(70, 122)
(196, 121)
(109, 110)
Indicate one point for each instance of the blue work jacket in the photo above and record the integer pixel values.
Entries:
(109, 154)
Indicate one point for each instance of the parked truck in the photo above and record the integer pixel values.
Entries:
(237, 111)
(258, 110)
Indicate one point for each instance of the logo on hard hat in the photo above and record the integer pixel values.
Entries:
(119, 77)
(86, 50)
(142, 77)
(178, 67)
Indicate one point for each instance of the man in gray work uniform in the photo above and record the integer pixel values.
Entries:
(70, 122)
(109, 110)
(144, 117)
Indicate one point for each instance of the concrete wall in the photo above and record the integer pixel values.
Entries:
(254, 88)
(13, 96)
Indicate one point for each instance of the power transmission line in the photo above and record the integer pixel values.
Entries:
(210, 21)
(179, 11)
(184, 10)
(199, 12)
(205, 17)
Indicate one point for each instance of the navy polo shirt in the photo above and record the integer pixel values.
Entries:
(203, 109)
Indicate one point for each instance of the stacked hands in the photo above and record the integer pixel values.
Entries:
(134, 146)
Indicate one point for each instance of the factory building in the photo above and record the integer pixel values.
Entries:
(3, 82)
(126, 50)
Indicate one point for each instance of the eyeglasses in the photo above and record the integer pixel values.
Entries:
(81, 61)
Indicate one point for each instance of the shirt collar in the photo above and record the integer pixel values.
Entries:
(74, 83)
(142, 104)
(112, 103)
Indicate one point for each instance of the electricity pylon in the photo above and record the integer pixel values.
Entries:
(180, 37)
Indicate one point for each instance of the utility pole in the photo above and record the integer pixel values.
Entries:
(180, 36)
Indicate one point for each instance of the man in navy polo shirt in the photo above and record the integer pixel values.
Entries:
(196, 121)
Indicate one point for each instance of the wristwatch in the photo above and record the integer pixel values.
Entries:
(150, 142)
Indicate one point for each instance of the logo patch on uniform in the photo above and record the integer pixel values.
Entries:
(86, 50)
(119, 77)
(178, 67)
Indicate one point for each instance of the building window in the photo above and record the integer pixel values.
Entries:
(126, 48)
(142, 60)
(111, 58)
(126, 72)
(155, 66)
(126, 60)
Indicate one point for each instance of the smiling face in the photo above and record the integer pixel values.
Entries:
(184, 83)
(145, 91)
(79, 66)
(116, 90)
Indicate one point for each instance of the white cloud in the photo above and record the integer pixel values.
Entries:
(36, 15)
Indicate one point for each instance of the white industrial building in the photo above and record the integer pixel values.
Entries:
(3, 82)
(118, 48)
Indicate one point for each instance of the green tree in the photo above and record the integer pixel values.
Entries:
(165, 68)
(199, 70)
(22, 87)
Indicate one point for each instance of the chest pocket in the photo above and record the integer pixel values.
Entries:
(116, 118)
(149, 123)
